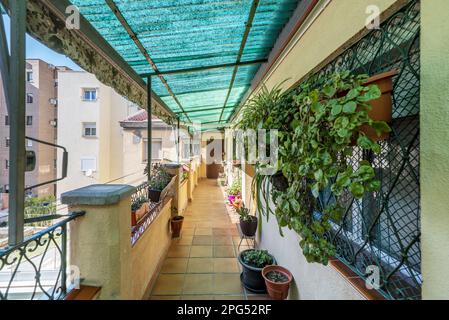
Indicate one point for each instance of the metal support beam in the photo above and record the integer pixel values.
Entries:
(149, 127)
(142, 49)
(249, 24)
(206, 68)
(206, 109)
(179, 140)
(17, 123)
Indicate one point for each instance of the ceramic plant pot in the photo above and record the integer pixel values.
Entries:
(277, 290)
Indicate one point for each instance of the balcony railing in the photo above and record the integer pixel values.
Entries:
(37, 268)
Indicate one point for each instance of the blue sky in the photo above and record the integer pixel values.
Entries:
(36, 50)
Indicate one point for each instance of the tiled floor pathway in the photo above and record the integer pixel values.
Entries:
(202, 264)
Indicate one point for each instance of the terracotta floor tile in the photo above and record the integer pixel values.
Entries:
(201, 252)
(188, 231)
(202, 240)
(227, 297)
(200, 265)
(227, 284)
(198, 284)
(223, 241)
(226, 265)
(165, 298)
(197, 297)
(174, 265)
(168, 284)
(178, 251)
(184, 240)
(224, 252)
(203, 232)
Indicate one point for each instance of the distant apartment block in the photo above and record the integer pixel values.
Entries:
(88, 127)
(41, 123)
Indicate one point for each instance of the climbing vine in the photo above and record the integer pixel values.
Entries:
(318, 124)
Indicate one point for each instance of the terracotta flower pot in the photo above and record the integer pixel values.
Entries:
(382, 107)
(154, 195)
(277, 290)
(176, 226)
(133, 218)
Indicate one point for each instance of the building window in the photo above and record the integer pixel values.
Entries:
(30, 76)
(29, 143)
(6, 164)
(6, 120)
(88, 164)
(6, 188)
(7, 142)
(90, 129)
(29, 120)
(90, 94)
(30, 98)
(156, 150)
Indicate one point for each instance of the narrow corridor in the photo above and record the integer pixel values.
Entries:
(202, 264)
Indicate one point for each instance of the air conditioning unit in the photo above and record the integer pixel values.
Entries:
(54, 102)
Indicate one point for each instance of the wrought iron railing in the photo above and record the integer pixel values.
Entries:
(153, 208)
(37, 268)
(383, 229)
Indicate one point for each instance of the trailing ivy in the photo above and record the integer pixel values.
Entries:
(319, 124)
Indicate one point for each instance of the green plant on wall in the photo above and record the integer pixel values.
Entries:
(319, 124)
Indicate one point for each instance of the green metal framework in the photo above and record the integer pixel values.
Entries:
(383, 229)
(198, 52)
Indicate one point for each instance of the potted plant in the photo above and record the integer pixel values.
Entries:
(318, 125)
(176, 225)
(277, 279)
(159, 179)
(253, 261)
(234, 192)
(248, 223)
(139, 208)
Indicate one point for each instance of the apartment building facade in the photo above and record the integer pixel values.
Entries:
(88, 127)
(41, 123)
(163, 145)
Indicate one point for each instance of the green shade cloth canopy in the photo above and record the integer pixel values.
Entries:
(185, 34)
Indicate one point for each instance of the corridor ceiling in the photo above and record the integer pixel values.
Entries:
(158, 37)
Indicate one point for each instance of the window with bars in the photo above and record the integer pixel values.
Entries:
(383, 228)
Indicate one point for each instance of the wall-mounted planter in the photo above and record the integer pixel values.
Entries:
(382, 107)
(277, 279)
(279, 181)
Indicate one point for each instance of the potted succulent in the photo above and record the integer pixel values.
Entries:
(234, 192)
(159, 180)
(139, 208)
(253, 261)
(248, 223)
(277, 279)
(176, 225)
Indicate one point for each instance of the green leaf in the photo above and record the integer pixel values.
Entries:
(295, 123)
(295, 205)
(343, 133)
(318, 175)
(364, 142)
(350, 107)
(336, 110)
(381, 127)
(352, 94)
(373, 186)
(357, 190)
(329, 91)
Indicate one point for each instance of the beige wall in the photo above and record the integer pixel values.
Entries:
(148, 252)
(434, 151)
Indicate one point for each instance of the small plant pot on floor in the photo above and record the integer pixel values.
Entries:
(277, 280)
(249, 227)
(251, 276)
(176, 226)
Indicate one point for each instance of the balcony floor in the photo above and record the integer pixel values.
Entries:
(202, 263)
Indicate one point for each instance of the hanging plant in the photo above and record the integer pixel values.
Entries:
(319, 124)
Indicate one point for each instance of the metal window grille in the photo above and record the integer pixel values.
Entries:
(383, 229)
